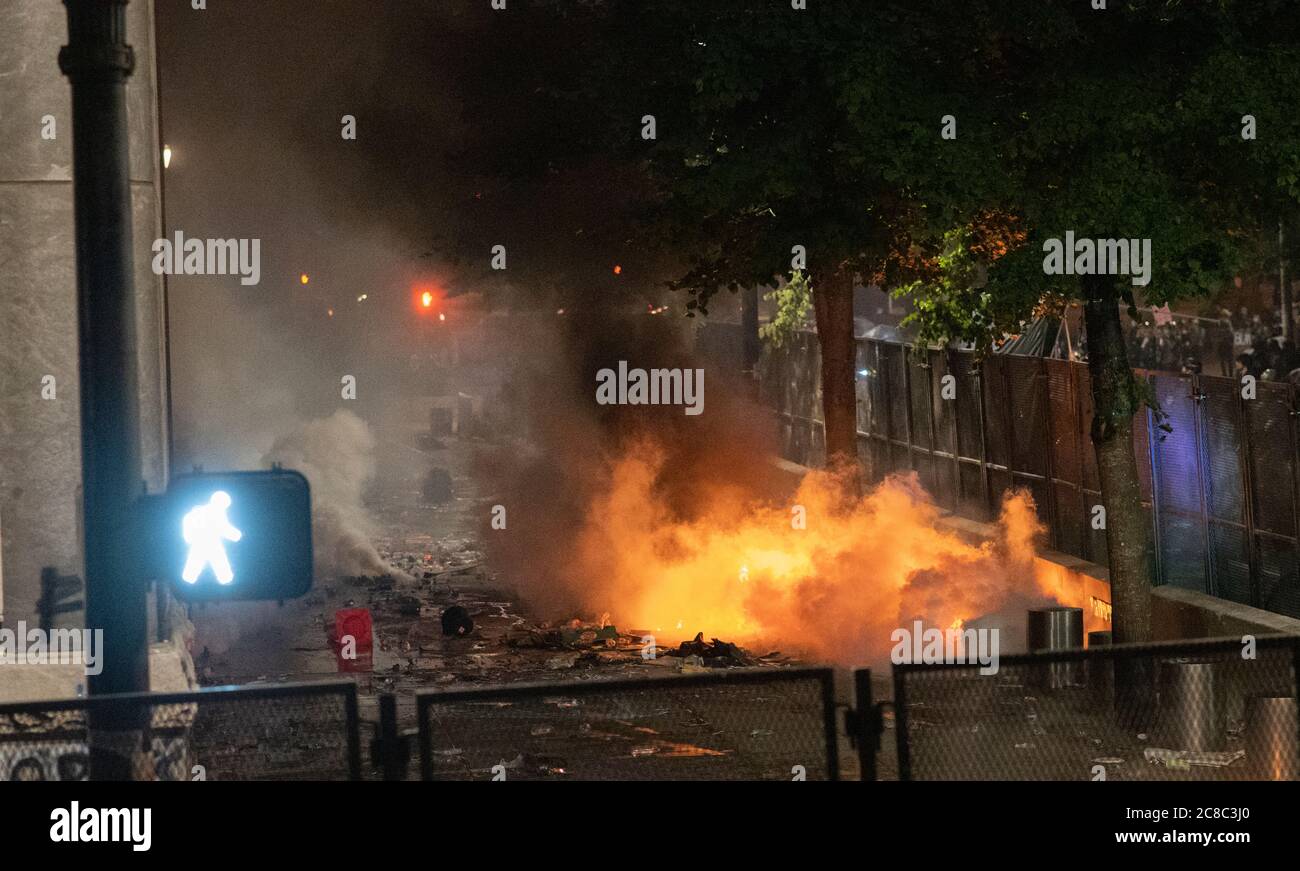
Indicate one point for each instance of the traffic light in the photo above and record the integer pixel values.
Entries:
(230, 536)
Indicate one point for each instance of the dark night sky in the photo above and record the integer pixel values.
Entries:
(467, 136)
(455, 127)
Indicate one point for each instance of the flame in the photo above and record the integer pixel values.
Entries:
(833, 584)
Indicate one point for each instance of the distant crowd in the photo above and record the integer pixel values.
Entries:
(1186, 345)
(1235, 344)
(1260, 349)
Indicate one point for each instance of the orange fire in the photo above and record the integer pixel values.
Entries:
(817, 575)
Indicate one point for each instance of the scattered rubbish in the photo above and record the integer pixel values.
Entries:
(1186, 758)
(376, 583)
(713, 653)
(587, 636)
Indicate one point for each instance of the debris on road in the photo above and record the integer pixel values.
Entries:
(714, 653)
(456, 621)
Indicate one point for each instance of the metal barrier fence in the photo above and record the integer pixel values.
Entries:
(1183, 711)
(743, 724)
(1220, 475)
(282, 732)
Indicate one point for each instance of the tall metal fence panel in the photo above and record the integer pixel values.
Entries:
(1184, 711)
(1218, 469)
(744, 724)
(283, 732)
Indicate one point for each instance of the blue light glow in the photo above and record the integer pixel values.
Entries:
(206, 529)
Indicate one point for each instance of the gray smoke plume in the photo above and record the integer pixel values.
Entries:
(336, 453)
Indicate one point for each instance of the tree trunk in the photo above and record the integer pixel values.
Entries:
(832, 295)
(1115, 402)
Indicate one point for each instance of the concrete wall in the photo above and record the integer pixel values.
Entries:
(40, 456)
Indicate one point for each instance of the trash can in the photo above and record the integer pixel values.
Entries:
(1050, 629)
(1271, 736)
(1190, 716)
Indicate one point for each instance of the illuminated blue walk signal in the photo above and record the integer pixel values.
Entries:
(236, 535)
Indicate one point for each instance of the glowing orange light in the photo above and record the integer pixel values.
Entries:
(618, 269)
(426, 299)
(303, 278)
(749, 571)
(441, 316)
(330, 312)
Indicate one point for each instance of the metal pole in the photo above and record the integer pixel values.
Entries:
(97, 62)
(866, 732)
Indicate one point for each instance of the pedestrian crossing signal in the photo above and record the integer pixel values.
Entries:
(238, 535)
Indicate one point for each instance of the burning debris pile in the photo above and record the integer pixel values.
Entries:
(580, 645)
(679, 525)
(714, 653)
(828, 576)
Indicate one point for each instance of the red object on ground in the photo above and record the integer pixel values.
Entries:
(354, 622)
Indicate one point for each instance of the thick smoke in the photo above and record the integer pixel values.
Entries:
(336, 454)
(673, 525)
(247, 396)
(565, 443)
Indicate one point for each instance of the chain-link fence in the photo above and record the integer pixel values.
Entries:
(1219, 471)
(1221, 710)
(284, 732)
(743, 724)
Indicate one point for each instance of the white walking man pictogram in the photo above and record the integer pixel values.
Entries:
(204, 529)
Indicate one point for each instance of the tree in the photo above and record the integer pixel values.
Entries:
(756, 160)
(1123, 123)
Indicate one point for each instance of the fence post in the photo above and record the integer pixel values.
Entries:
(1293, 416)
(390, 750)
(977, 368)
(954, 429)
(1049, 462)
(1202, 441)
(908, 423)
(1245, 452)
(864, 724)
